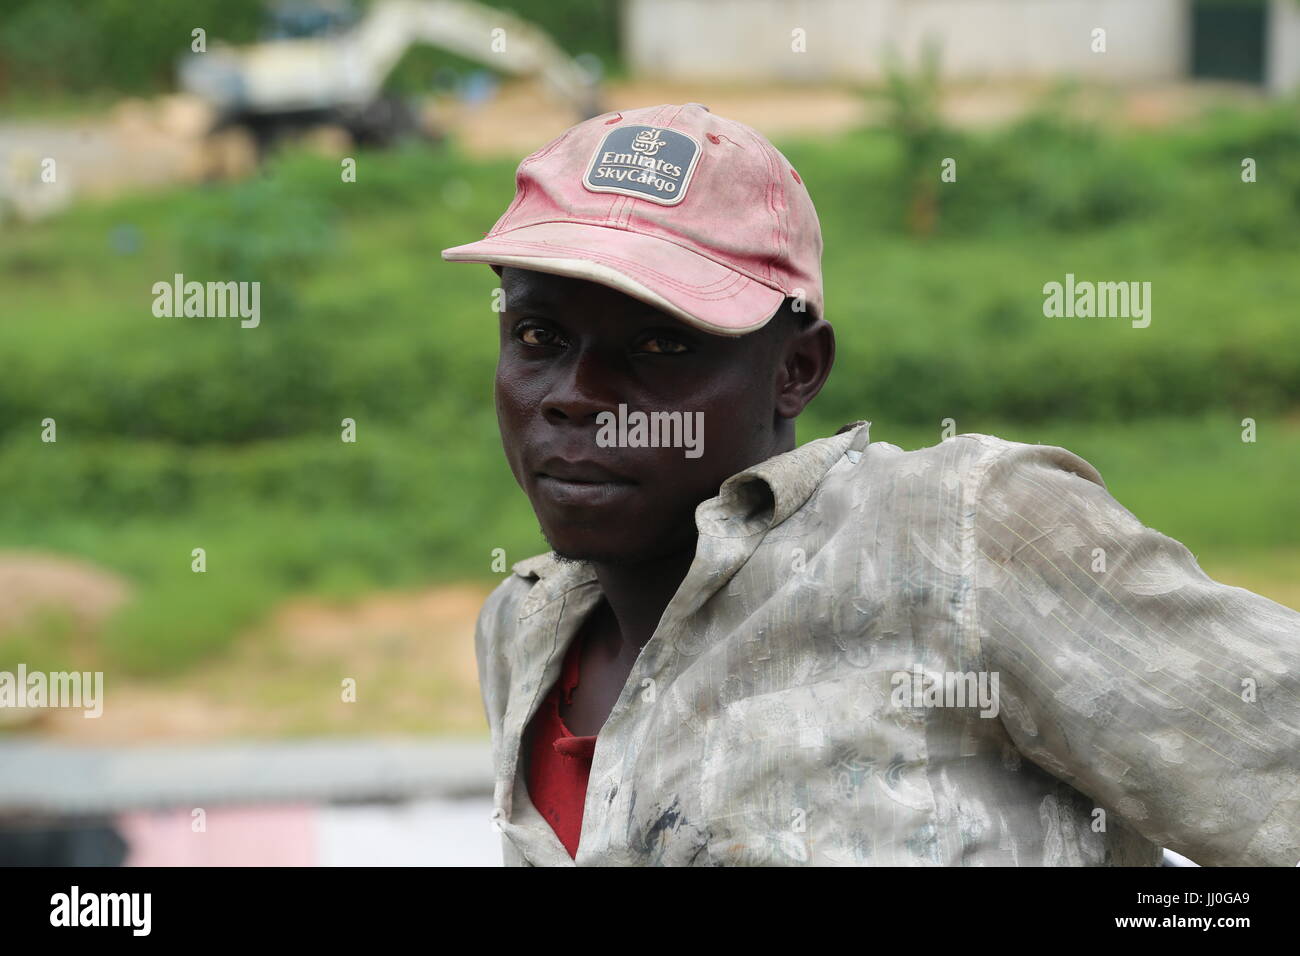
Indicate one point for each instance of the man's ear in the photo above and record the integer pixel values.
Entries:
(807, 358)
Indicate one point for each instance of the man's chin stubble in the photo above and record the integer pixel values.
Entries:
(609, 559)
(572, 558)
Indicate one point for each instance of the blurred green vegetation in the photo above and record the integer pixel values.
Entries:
(182, 433)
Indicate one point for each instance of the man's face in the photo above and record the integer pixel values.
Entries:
(571, 349)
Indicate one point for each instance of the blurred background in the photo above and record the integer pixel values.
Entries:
(212, 139)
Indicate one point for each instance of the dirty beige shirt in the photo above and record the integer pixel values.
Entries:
(780, 712)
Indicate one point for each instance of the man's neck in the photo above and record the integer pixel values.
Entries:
(639, 593)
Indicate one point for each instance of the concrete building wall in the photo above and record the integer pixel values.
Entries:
(849, 39)
(1283, 46)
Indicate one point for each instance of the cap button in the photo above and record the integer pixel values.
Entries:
(700, 105)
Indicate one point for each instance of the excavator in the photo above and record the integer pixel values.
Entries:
(323, 63)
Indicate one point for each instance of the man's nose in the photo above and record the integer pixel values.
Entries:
(585, 387)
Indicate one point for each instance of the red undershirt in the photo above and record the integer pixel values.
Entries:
(558, 762)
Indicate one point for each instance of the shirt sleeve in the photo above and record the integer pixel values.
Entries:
(1169, 698)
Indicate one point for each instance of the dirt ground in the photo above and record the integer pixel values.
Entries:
(409, 656)
(32, 581)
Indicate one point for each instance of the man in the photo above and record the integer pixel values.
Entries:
(740, 651)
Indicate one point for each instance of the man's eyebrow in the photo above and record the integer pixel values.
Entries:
(528, 298)
(662, 325)
(538, 300)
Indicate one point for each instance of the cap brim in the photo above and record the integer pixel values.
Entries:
(669, 277)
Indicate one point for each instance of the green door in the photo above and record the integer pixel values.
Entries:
(1228, 39)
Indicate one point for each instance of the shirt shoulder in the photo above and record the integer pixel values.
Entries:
(959, 459)
(926, 505)
(972, 459)
(1006, 454)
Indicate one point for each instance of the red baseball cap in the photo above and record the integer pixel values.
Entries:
(696, 215)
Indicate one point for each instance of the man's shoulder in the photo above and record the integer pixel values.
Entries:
(969, 458)
(956, 457)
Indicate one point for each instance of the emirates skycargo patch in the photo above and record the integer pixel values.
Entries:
(645, 162)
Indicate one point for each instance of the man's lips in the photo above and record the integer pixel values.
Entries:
(581, 472)
(583, 484)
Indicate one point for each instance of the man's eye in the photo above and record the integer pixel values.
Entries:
(534, 335)
(660, 345)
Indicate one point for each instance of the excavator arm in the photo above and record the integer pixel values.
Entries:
(348, 70)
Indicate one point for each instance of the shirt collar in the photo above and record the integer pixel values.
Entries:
(750, 502)
(759, 498)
